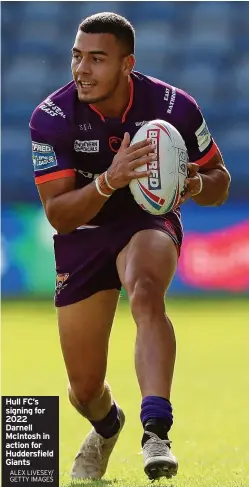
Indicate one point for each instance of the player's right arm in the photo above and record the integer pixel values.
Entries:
(66, 207)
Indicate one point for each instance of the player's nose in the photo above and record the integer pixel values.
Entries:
(84, 67)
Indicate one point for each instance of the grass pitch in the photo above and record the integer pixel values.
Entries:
(210, 393)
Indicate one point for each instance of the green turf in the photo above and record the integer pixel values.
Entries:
(210, 394)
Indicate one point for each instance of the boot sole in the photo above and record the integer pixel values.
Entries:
(158, 469)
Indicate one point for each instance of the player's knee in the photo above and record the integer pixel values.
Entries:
(146, 297)
(85, 392)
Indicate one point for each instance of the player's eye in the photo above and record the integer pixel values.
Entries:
(96, 59)
(76, 55)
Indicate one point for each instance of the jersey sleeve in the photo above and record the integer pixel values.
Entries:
(199, 142)
(51, 154)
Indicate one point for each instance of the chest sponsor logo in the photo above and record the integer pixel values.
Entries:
(154, 180)
(51, 109)
(115, 143)
(86, 146)
(203, 136)
(43, 156)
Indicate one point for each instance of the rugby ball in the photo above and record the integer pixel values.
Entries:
(160, 192)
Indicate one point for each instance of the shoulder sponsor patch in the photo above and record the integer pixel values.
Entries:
(172, 100)
(203, 136)
(53, 110)
(43, 156)
(86, 146)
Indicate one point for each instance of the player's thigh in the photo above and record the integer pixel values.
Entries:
(149, 259)
(84, 329)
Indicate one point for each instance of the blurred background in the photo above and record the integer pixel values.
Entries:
(200, 47)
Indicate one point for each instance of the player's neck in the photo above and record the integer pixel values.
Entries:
(115, 106)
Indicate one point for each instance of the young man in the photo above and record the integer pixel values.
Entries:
(83, 164)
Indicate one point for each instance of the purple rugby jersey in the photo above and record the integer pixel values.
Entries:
(71, 137)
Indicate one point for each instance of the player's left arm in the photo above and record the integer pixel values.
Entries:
(208, 180)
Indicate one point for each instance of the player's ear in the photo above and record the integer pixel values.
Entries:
(128, 64)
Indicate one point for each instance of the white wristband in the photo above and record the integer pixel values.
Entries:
(99, 190)
(201, 183)
(107, 182)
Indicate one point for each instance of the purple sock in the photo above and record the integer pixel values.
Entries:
(156, 407)
(108, 426)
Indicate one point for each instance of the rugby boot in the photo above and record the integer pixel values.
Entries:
(158, 459)
(92, 460)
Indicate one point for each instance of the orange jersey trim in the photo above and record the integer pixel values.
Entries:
(65, 173)
(208, 156)
(130, 101)
(98, 112)
(127, 108)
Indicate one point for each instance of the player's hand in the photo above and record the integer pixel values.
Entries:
(127, 159)
(192, 183)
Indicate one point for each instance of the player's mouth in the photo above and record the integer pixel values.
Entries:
(85, 86)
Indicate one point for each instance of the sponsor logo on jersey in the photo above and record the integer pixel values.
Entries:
(154, 180)
(43, 156)
(166, 94)
(172, 100)
(203, 136)
(86, 146)
(140, 124)
(51, 109)
(115, 143)
(88, 175)
(85, 126)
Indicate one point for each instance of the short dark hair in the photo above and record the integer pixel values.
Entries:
(111, 23)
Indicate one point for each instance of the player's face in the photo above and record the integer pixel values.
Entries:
(98, 66)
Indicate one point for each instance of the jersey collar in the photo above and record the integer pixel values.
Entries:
(127, 108)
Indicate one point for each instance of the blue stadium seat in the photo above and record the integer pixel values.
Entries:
(84, 9)
(241, 76)
(161, 33)
(199, 79)
(25, 71)
(146, 11)
(41, 38)
(14, 141)
(208, 43)
(42, 11)
(212, 12)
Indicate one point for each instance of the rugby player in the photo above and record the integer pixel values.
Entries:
(83, 164)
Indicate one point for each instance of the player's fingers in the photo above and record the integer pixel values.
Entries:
(142, 160)
(193, 186)
(138, 145)
(138, 175)
(192, 183)
(126, 141)
(144, 151)
(192, 168)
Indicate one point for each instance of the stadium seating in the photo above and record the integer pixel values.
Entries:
(201, 47)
